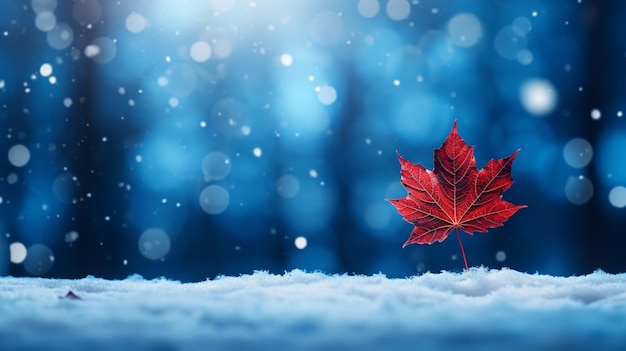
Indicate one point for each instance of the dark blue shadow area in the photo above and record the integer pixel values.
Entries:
(195, 138)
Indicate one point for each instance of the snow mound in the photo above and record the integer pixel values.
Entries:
(486, 309)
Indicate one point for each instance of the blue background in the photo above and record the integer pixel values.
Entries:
(190, 139)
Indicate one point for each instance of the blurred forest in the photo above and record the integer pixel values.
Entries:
(196, 138)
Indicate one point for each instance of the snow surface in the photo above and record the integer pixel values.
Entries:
(486, 309)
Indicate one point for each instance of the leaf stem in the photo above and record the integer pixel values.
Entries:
(462, 250)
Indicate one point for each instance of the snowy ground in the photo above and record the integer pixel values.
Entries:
(491, 310)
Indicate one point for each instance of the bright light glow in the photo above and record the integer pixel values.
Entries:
(71, 236)
(45, 70)
(596, 114)
(173, 102)
(257, 152)
(102, 50)
(286, 60)
(92, 50)
(300, 242)
(538, 96)
(17, 252)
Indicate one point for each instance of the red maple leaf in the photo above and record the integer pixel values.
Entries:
(454, 195)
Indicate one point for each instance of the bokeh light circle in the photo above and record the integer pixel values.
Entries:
(525, 57)
(18, 252)
(60, 37)
(596, 114)
(286, 60)
(398, 10)
(102, 50)
(214, 199)
(200, 51)
(300, 242)
(19, 155)
(326, 94)
(71, 236)
(39, 260)
(136, 23)
(287, 186)
(578, 153)
(154, 244)
(508, 43)
(578, 190)
(45, 21)
(215, 166)
(617, 196)
(222, 48)
(368, 8)
(464, 30)
(521, 26)
(45, 70)
(40, 6)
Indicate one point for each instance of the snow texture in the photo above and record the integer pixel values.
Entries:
(485, 310)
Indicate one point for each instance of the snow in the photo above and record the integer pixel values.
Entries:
(486, 309)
